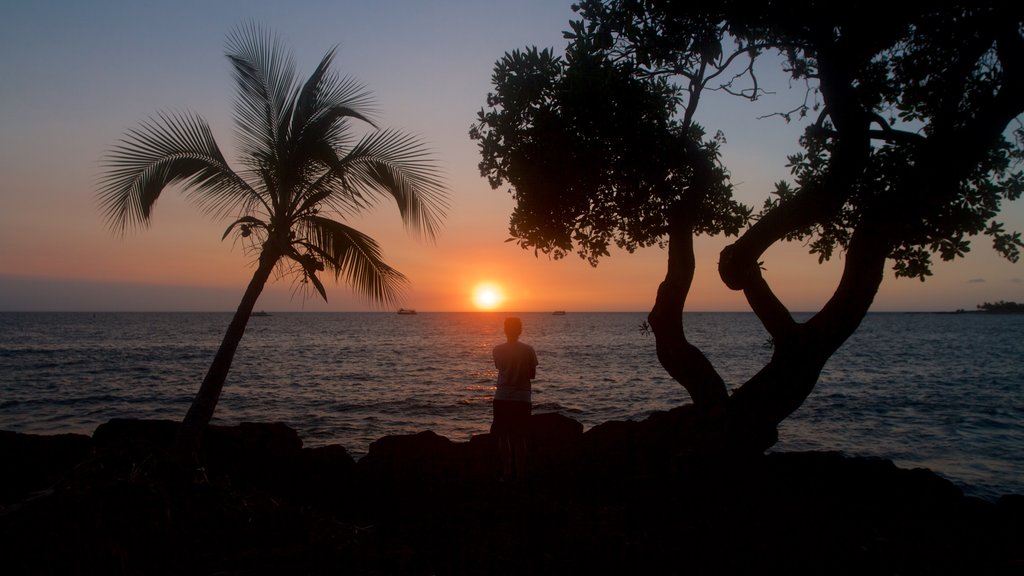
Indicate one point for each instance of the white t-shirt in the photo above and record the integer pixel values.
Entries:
(517, 365)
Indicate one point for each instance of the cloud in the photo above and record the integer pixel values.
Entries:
(1016, 280)
(976, 281)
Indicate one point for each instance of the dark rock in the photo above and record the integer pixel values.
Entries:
(331, 461)
(133, 434)
(624, 497)
(264, 439)
(34, 462)
(263, 455)
(554, 428)
(642, 448)
(423, 457)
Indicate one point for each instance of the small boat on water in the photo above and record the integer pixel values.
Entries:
(260, 313)
(558, 313)
(406, 311)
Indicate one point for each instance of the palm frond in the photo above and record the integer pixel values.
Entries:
(299, 155)
(325, 97)
(265, 78)
(395, 164)
(320, 121)
(354, 258)
(327, 102)
(327, 192)
(165, 150)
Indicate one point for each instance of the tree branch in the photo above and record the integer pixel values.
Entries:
(772, 313)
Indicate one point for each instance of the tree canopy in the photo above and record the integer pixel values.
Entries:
(913, 143)
(596, 154)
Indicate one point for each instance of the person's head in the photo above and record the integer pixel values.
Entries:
(513, 328)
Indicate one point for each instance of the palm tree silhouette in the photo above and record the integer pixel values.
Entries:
(301, 165)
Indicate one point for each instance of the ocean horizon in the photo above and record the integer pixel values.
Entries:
(941, 390)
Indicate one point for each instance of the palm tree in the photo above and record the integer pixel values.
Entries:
(301, 167)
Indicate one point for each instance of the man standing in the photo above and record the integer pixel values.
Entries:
(517, 366)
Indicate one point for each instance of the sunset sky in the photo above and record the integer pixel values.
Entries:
(76, 75)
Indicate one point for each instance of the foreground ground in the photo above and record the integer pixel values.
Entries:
(622, 498)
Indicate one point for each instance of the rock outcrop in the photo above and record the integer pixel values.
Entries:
(623, 497)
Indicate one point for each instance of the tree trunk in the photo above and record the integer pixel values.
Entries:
(191, 430)
(801, 350)
(682, 360)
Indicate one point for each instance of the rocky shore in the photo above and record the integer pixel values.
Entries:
(622, 498)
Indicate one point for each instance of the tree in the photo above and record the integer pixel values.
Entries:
(1002, 307)
(301, 168)
(916, 143)
(595, 155)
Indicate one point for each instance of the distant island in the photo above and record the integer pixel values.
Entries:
(1002, 307)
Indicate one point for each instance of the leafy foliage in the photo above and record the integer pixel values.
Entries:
(595, 145)
(913, 144)
(1002, 307)
(934, 84)
(595, 153)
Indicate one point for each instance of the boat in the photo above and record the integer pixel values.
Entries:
(260, 313)
(406, 311)
(558, 313)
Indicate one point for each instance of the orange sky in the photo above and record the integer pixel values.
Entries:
(76, 77)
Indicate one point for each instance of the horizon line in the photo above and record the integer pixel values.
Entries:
(567, 312)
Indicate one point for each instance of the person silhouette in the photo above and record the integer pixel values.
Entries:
(517, 366)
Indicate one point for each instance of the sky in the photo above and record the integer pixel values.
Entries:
(77, 75)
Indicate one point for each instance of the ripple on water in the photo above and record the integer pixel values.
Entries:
(922, 389)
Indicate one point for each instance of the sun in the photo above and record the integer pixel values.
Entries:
(487, 296)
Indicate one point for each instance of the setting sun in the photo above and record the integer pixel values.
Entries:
(487, 296)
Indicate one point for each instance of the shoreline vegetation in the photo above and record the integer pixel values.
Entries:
(1000, 307)
(624, 497)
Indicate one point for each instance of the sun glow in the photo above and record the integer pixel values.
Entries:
(487, 296)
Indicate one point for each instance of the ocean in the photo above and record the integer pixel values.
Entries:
(941, 391)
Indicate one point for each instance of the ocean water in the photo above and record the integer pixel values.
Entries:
(942, 391)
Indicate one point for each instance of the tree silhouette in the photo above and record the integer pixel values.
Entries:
(914, 142)
(1002, 307)
(302, 169)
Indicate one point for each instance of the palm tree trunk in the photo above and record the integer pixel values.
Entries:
(191, 430)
